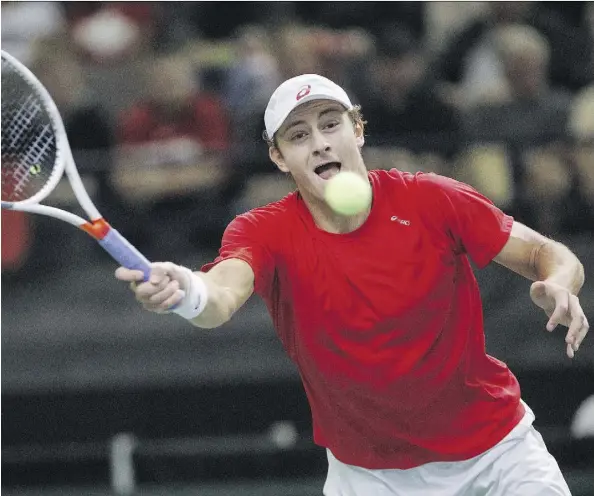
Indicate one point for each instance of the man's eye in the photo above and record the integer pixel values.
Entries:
(297, 136)
(331, 124)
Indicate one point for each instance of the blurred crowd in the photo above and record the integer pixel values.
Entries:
(163, 101)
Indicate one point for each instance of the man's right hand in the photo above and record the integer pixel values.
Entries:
(165, 288)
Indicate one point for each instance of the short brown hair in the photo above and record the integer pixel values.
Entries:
(354, 113)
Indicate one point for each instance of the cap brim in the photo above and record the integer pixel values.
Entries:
(318, 96)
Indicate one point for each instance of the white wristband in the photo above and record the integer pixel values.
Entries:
(196, 297)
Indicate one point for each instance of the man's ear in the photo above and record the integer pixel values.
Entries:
(359, 136)
(277, 157)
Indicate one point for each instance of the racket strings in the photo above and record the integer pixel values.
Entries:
(28, 138)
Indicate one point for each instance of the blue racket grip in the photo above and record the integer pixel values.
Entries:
(124, 253)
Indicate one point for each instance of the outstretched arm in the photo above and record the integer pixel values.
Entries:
(558, 276)
(219, 293)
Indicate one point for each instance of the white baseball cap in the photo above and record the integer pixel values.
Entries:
(296, 91)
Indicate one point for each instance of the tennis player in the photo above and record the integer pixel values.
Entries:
(381, 311)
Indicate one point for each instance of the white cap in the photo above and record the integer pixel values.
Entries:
(296, 91)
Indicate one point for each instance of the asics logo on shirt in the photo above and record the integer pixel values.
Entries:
(404, 222)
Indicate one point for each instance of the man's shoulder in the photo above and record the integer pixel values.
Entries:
(424, 191)
(419, 181)
(270, 217)
(389, 175)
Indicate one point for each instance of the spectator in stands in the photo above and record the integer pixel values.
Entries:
(581, 129)
(88, 127)
(220, 20)
(401, 101)
(471, 60)
(250, 82)
(345, 15)
(175, 108)
(529, 118)
(23, 23)
(106, 32)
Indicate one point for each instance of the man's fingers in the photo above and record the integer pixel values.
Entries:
(577, 332)
(129, 275)
(577, 317)
(563, 308)
(165, 294)
(560, 312)
(173, 300)
(579, 325)
(163, 289)
(159, 272)
(165, 300)
(146, 290)
(574, 330)
(582, 334)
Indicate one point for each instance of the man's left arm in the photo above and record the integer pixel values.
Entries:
(558, 276)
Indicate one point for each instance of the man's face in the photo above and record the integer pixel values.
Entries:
(316, 141)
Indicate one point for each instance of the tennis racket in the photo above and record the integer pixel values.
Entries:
(35, 155)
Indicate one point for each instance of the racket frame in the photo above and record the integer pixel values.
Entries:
(64, 162)
(110, 239)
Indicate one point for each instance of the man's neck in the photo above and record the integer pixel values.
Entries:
(339, 224)
(328, 220)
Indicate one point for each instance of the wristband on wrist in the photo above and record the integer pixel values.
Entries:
(196, 297)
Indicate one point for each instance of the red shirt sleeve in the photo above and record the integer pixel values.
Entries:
(476, 226)
(245, 239)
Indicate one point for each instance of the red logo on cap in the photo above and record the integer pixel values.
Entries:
(303, 92)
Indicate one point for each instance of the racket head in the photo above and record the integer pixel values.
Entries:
(33, 143)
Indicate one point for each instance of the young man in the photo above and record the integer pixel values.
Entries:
(381, 311)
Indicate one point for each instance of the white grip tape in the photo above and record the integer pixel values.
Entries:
(196, 297)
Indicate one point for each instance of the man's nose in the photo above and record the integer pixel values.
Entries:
(320, 143)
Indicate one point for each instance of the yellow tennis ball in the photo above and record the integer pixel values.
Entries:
(348, 193)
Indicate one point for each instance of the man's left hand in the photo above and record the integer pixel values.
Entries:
(563, 308)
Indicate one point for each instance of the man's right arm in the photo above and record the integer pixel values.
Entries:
(228, 285)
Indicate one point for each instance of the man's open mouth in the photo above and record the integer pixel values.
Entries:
(327, 170)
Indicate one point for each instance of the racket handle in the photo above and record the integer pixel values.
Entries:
(125, 253)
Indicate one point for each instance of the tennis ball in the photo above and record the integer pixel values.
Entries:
(348, 193)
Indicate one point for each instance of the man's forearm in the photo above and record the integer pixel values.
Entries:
(554, 262)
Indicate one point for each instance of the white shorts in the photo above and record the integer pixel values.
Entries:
(519, 465)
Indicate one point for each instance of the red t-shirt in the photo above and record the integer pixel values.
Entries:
(385, 323)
